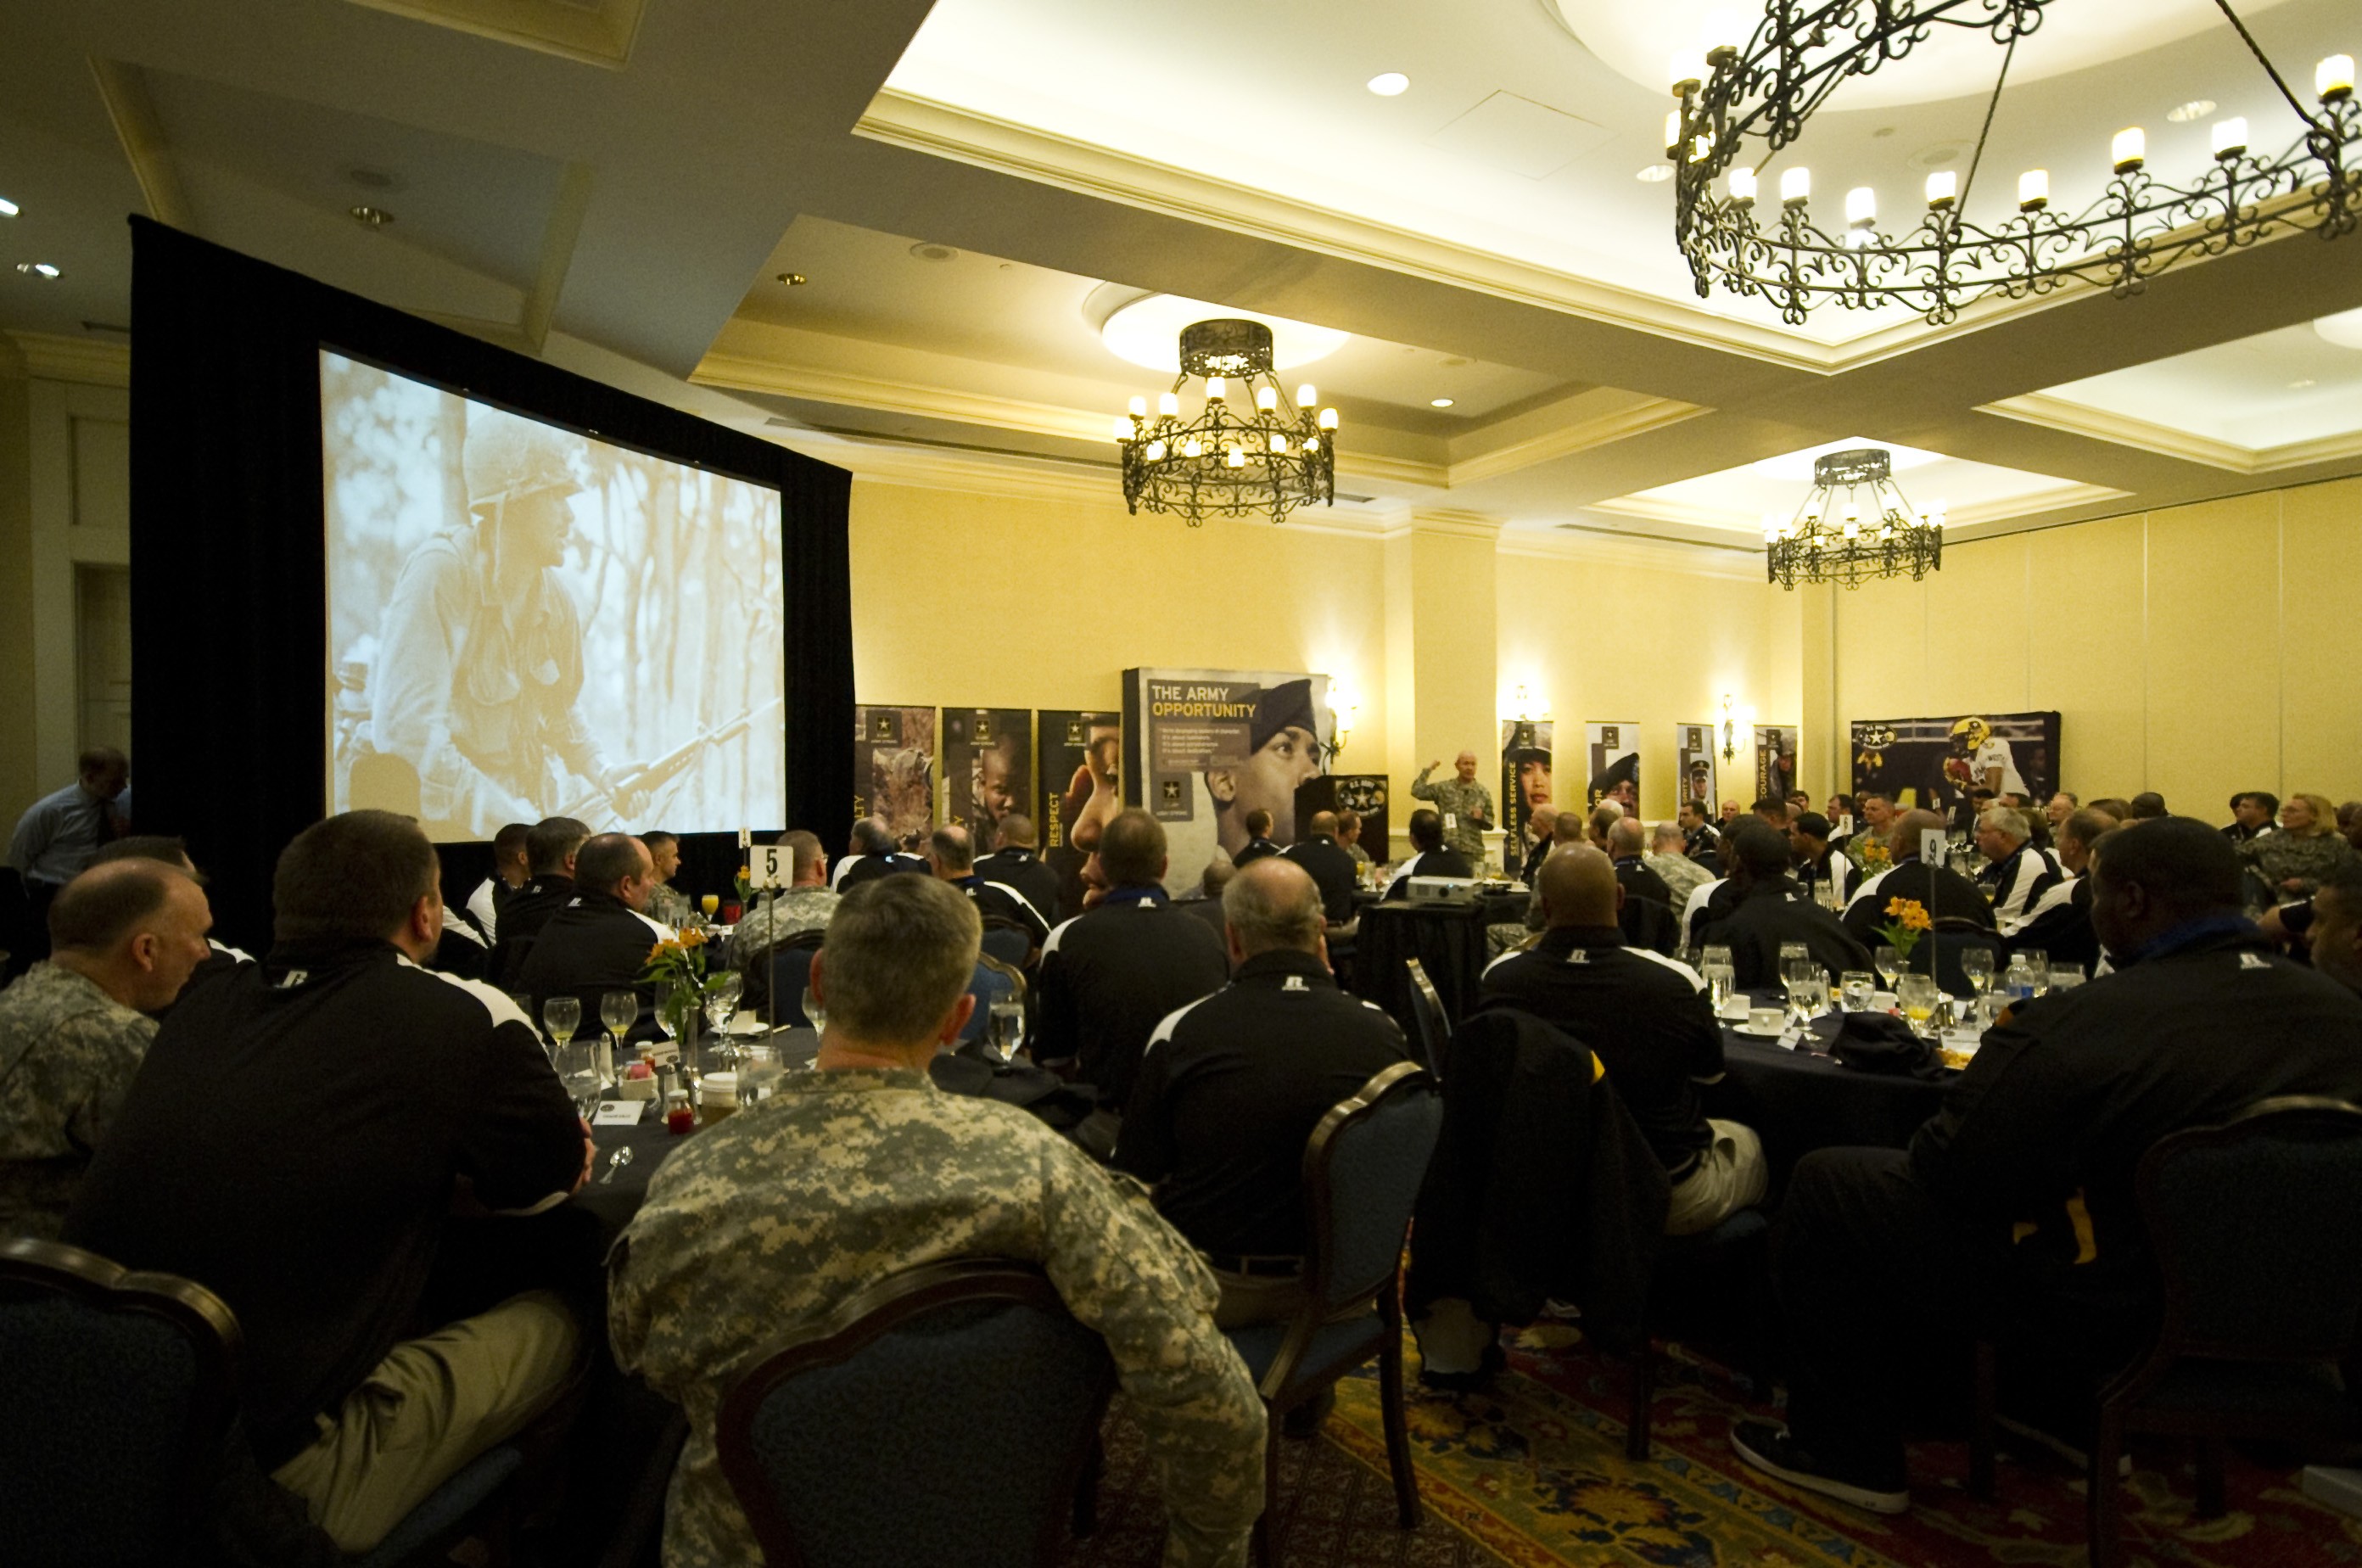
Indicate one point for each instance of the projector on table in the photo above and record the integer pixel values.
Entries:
(1442, 890)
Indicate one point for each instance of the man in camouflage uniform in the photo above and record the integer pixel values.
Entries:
(481, 662)
(1466, 806)
(124, 936)
(769, 1222)
(805, 904)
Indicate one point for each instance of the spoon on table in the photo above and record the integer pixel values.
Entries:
(616, 1162)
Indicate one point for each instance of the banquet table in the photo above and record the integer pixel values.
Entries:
(1447, 939)
(1798, 1101)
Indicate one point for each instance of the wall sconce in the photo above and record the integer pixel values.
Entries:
(1344, 709)
(1729, 731)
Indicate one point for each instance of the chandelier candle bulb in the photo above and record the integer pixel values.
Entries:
(1795, 185)
(1327, 419)
(1673, 132)
(1687, 70)
(1122, 428)
(2129, 150)
(1742, 187)
(1279, 443)
(1862, 206)
(1214, 390)
(2034, 190)
(1267, 398)
(1305, 396)
(2334, 77)
(1140, 408)
(1943, 188)
(2231, 137)
(1234, 459)
(1155, 451)
(1192, 448)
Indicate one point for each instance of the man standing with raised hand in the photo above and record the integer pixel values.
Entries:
(1465, 806)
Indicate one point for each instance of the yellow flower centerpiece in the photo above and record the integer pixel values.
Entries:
(676, 967)
(1906, 923)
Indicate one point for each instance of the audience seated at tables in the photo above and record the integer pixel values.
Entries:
(512, 870)
(600, 941)
(1259, 842)
(2061, 806)
(1204, 902)
(2254, 815)
(1816, 864)
(871, 852)
(1700, 838)
(2333, 935)
(2307, 847)
(804, 904)
(1603, 816)
(1016, 864)
(1331, 869)
(2017, 872)
(1767, 909)
(1109, 975)
(1566, 827)
(550, 846)
(2013, 1210)
(124, 936)
(1647, 1019)
(667, 903)
(294, 1142)
(174, 850)
(2115, 810)
(1430, 856)
(950, 856)
(1230, 1087)
(1542, 826)
(1349, 836)
(1668, 858)
(1877, 810)
(2059, 924)
(876, 1170)
(1647, 915)
(1943, 892)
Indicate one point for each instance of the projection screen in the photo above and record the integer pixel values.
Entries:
(528, 622)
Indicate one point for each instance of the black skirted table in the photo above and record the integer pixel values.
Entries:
(1447, 939)
(1798, 1101)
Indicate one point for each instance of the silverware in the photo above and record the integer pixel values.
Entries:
(616, 1162)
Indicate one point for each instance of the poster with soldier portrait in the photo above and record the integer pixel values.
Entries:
(1612, 756)
(1693, 767)
(894, 769)
(528, 622)
(1526, 783)
(1078, 788)
(1775, 760)
(1204, 748)
(1940, 763)
(987, 769)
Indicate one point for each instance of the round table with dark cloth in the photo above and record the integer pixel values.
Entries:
(1447, 939)
(1800, 1100)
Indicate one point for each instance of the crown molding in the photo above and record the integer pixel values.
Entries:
(52, 357)
(2123, 430)
(1450, 523)
(1649, 414)
(2054, 498)
(1736, 563)
(124, 90)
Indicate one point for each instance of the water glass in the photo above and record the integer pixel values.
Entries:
(1790, 952)
(1721, 981)
(1977, 964)
(561, 1016)
(1855, 986)
(1889, 964)
(1007, 1027)
(760, 1068)
(1917, 994)
(2037, 968)
(1718, 953)
(577, 1069)
(2065, 977)
(722, 994)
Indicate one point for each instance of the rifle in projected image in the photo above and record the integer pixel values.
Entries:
(652, 778)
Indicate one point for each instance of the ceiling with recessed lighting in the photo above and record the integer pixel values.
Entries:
(1001, 208)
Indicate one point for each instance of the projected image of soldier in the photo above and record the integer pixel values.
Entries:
(480, 668)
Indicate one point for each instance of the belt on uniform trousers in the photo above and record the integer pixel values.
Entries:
(1273, 1265)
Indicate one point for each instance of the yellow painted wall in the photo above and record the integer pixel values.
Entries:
(2195, 650)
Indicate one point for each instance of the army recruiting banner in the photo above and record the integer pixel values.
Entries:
(1694, 780)
(1078, 788)
(1775, 760)
(1526, 783)
(987, 769)
(1205, 748)
(894, 769)
(1612, 756)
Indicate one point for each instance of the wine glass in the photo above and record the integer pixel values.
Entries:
(1718, 953)
(577, 1069)
(1889, 964)
(561, 1016)
(1721, 981)
(1976, 965)
(2038, 965)
(1917, 994)
(2065, 977)
(1008, 1026)
(1855, 986)
(722, 994)
(619, 1011)
(1791, 952)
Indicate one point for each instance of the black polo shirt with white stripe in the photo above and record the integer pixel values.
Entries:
(1019, 867)
(998, 901)
(1108, 976)
(1644, 1015)
(1230, 1088)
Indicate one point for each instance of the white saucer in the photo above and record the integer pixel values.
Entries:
(1753, 1033)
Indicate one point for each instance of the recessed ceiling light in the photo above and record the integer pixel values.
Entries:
(2197, 108)
(1438, 403)
(370, 179)
(1388, 83)
(371, 218)
(1655, 174)
(37, 269)
(793, 280)
(933, 252)
(2299, 386)
(7, 207)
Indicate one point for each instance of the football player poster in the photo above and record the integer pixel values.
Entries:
(1938, 763)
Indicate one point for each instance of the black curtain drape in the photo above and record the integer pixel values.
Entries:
(228, 583)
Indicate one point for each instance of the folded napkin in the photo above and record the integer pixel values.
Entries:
(1882, 1043)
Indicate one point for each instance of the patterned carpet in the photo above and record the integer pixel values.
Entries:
(1532, 1473)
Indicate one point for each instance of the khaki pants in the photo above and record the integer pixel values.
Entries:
(431, 1406)
(1730, 1176)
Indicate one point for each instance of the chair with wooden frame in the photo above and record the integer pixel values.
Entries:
(1427, 1011)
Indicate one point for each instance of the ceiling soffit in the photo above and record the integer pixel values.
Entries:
(596, 32)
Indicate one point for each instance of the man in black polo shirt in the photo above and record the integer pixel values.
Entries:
(952, 854)
(1943, 892)
(1230, 1087)
(1329, 865)
(1109, 975)
(1818, 862)
(1647, 1018)
(294, 1142)
(550, 846)
(1434, 857)
(1015, 865)
(600, 941)
(2013, 1212)
(873, 853)
(1767, 909)
(1258, 825)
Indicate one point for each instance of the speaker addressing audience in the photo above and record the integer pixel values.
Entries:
(124, 936)
(293, 1144)
(879, 1171)
(2013, 1213)
(1464, 807)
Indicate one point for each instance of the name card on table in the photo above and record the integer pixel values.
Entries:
(619, 1113)
(763, 866)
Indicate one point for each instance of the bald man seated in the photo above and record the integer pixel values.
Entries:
(1647, 1019)
(1943, 892)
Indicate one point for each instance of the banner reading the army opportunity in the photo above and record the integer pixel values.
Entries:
(1612, 752)
(525, 621)
(1204, 747)
(894, 769)
(987, 768)
(1936, 763)
(1525, 783)
(1694, 770)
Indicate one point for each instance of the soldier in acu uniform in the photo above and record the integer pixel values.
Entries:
(481, 665)
(1465, 805)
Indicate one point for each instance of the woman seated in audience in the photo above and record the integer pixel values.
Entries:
(2293, 861)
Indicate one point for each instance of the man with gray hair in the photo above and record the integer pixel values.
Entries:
(1465, 806)
(1668, 859)
(873, 852)
(2017, 872)
(804, 904)
(863, 1168)
(1232, 1086)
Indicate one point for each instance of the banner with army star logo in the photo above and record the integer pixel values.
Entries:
(1526, 783)
(894, 769)
(987, 768)
(1204, 747)
(1078, 788)
(1694, 767)
(1936, 763)
(1612, 753)
(1775, 760)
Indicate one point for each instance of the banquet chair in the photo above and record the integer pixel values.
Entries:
(1363, 1168)
(1006, 942)
(117, 1429)
(1427, 1012)
(2251, 1225)
(781, 977)
(970, 1373)
(1650, 923)
(992, 981)
(1951, 936)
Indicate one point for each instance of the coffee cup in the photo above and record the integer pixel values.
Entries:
(1765, 1019)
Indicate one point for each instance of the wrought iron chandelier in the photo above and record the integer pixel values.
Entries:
(1742, 103)
(1226, 462)
(1855, 525)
